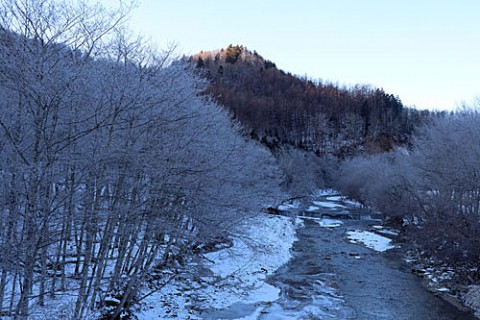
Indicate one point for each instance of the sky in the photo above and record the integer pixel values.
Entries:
(426, 52)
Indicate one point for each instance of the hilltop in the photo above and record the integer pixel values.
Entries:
(281, 108)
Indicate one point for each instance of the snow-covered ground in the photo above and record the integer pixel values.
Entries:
(239, 273)
(472, 299)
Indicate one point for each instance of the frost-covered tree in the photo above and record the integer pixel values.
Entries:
(46, 49)
(446, 160)
(304, 172)
(112, 163)
(436, 184)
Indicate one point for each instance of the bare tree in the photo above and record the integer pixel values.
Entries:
(436, 184)
(113, 163)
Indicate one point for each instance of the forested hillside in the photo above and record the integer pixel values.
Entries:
(279, 107)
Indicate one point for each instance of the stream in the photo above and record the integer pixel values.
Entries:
(330, 277)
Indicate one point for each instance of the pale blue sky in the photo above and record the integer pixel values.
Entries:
(427, 52)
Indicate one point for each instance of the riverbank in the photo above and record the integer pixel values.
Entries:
(229, 277)
(441, 280)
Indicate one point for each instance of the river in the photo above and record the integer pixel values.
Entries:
(330, 277)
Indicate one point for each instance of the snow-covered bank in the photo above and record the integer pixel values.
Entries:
(262, 249)
(472, 299)
(238, 273)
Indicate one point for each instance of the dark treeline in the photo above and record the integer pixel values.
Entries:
(323, 117)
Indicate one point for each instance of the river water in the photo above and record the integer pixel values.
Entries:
(329, 277)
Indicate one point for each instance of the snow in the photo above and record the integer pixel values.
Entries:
(265, 248)
(276, 311)
(333, 195)
(472, 299)
(238, 273)
(335, 198)
(169, 303)
(60, 308)
(112, 299)
(299, 222)
(370, 240)
(382, 230)
(326, 192)
(330, 223)
(289, 206)
(323, 222)
(327, 204)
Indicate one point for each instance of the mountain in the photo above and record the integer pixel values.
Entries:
(280, 108)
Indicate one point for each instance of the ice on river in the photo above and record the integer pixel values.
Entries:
(330, 223)
(323, 222)
(370, 240)
(327, 204)
(289, 206)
